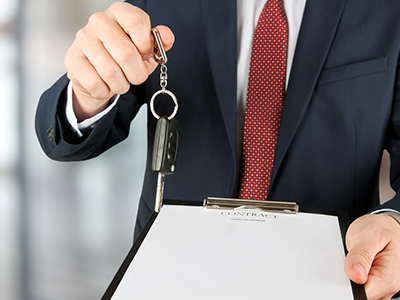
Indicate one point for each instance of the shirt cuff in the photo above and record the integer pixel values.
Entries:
(88, 123)
(390, 212)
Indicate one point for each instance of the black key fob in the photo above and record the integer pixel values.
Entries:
(165, 148)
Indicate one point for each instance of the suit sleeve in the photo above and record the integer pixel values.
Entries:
(58, 140)
(393, 147)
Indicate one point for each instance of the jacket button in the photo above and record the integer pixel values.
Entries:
(50, 133)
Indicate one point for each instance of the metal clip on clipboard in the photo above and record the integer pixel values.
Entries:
(268, 206)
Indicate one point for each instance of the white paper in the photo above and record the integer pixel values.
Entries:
(197, 253)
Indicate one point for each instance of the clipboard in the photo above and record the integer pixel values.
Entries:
(358, 290)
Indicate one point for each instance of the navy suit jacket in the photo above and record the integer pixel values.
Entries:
(341, 107)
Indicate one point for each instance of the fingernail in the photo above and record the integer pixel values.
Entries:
(359, 269)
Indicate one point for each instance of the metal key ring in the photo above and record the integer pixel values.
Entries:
(173, 98)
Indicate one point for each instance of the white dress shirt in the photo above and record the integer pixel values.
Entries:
(248, 12)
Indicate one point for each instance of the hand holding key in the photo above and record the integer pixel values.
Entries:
(114, 50)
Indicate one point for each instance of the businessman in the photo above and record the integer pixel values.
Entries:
(336, 107)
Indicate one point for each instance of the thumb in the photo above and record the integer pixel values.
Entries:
(358, 263)
(167, 36)
(167, 39)
(373, 245)
(363, 243)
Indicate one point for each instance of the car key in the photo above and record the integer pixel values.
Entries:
(165, 152)
(166, 137)
(165, 147)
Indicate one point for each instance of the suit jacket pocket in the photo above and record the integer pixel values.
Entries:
(353, 70)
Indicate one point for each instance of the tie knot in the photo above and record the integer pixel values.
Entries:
(274, 9)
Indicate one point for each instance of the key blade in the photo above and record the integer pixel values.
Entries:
(159, 192)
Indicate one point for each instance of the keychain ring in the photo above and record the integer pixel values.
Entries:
(173, 98)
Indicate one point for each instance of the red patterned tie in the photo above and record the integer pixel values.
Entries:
(265, 94)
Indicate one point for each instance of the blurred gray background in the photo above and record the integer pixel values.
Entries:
(64, 227)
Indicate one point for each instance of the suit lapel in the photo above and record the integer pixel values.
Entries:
(221, 39)
(317, 31)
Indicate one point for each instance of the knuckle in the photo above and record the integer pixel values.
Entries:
(136, 15)
(121, 88)
(94, 86)
(138, 20)
(366, 256)
(126, 54)
(116, 5)
(96, 18)
(139, 78)
(111, 72)
(82, 34)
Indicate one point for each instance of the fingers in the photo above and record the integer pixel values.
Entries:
(94, 69)
(373, 242)
(132, 29)
(359, 260)
(113, 51)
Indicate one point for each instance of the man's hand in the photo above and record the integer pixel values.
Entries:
(373, 242)
(111, 52)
